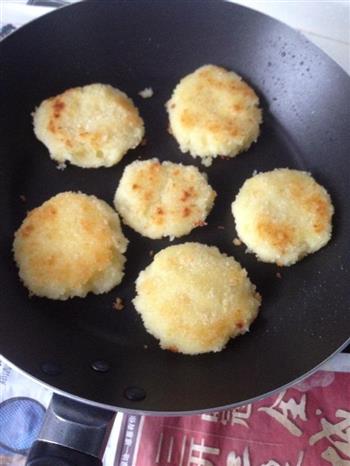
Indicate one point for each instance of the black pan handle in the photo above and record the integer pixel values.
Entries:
(73, 434)
(50, 454)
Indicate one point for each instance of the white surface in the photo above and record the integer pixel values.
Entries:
(15, 12)
(325, 18)
(339, 51)
(325, 23)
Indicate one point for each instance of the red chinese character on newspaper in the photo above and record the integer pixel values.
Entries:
(165, 444)
(338, 435)
(198, 451)
(235, 460)
(282, 411)
(234, 416)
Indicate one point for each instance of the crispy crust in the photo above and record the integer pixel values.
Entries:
(283, 215)
(163, 199)
(90, 126)
(194, 299)
(213, 112)
(70, 245)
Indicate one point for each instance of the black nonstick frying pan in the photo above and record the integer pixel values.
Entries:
(83, 347)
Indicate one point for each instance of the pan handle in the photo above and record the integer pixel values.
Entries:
(73, 434)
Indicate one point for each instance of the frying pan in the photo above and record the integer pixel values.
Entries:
(85, 349)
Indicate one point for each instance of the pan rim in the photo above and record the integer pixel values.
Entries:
(176, 413)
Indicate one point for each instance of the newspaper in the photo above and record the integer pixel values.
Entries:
(305, 425)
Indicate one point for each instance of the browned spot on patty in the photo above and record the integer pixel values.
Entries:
(51, 126)
(224, 84)
(159, 216)
(155, 166)
(87, 225)
(188, 119)
(58, 106)
(186, 212)
(186, 194)
(238, 107)
(321, 210)
(51, 260)
(280, 235)
(173, 349)
(26, 231)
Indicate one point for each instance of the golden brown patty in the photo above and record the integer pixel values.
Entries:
(90, 126)
(214, 112)
(194, 299)
(163, 199)
(283, 215)
(70, 245)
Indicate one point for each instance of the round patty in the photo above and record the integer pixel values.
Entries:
(90, 126)
(194, 299)
(163, 199)
(69, 246)
(213, 112)
(283, 215)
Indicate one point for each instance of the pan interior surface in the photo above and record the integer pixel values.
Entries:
(133, 45)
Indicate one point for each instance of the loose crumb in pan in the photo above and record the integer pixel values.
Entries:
(118, 304)
(146, 93)
(278, 275)
(61, 166)
(23, 198)
(237, 242)
(201, 224)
